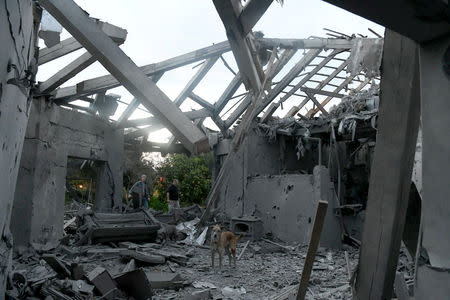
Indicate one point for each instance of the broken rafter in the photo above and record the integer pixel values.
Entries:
(325, 82)
(317, 103)
(316, 43)
(195, 80)
(70, 45)
(248, 63)
(321, 92)
(91, 86)
(310, 75)
(278, 65)
(75, 20)
(201, 101)
(66, 73)
(299, 67)
(312, 112)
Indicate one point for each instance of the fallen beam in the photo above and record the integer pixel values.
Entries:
(312, 248)
(75, 20)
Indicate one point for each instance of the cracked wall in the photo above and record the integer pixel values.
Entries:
(269, 181)
(19, 21)
(53, 134)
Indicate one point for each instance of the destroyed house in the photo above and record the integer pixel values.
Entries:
(329, 166)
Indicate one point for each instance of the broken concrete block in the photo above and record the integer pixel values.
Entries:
(57, 265)
(77, 271)
(199, 295)
(81, 286)
(136, 284)
(103, 282)
(163, 280)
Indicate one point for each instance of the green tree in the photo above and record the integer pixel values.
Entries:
(193, 174)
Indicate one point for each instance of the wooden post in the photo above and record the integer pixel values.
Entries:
(390, 176)
(312, 248)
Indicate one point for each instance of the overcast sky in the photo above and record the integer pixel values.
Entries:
(159, 30)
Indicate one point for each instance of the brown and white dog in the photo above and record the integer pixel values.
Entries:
(223, 242)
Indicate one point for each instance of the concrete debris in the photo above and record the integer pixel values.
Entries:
(183, 272)
(103, 282)
(233, 293)
(366, 56)
(136, 284)
(111, 227)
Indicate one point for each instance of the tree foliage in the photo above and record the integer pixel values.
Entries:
(193, 174)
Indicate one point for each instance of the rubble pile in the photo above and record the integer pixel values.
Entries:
(176, 266)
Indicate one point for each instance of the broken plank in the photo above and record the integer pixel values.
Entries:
(312, 248)
(56, 264)
(243, 250)
(69, 222)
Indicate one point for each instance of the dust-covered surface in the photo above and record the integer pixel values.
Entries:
(169, 269)
(263, 272)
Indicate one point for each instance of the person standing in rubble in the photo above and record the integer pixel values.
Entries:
(173, 199)
(139, 193)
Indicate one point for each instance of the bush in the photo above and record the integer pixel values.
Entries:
(194, 178)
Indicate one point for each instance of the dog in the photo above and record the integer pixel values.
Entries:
(224, 243)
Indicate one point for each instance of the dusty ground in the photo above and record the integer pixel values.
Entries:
(264, 271)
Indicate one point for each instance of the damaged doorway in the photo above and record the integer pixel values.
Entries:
(89, 185)
(81, 181)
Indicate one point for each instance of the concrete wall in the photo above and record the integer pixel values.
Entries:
(16, 48)
(267, 180)
(54, 134)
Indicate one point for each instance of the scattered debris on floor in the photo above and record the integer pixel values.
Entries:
(115, 266)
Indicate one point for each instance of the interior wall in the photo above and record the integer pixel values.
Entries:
(16, 55)
(53, 134)
(268, 181)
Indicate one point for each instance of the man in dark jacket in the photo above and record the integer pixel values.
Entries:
(139, 193)
(173, 198)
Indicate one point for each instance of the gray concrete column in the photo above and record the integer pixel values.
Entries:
(16, 56)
